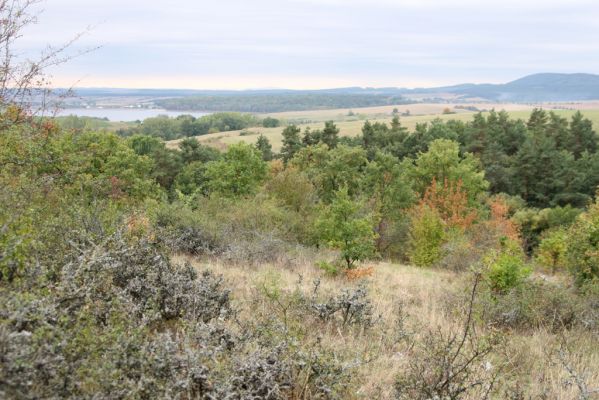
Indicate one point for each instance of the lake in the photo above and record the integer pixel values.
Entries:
(126, 114)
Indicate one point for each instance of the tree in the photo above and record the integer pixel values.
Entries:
(102, 165)
(537, 120)
(291, 142)
(426, 236)
(378, 137)
(167, 162)
(541, 171)
(390, 197)
(341, 226)
(161, 126)
(443, 162)
(145, 145)
(582, 255)
(582, 136)
(23, 79)
(552, 249)
(450, 201)
(239, 173)
(265, 148)
(420, 140)
(191, 178)
(167, 165)
(292, 188)
(270, 122)
(330, 134)
(311, 137)
(330, 170)
(191, 150)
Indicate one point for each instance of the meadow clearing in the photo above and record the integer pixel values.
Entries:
(412, 306)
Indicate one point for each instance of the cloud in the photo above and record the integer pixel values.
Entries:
(363, 41)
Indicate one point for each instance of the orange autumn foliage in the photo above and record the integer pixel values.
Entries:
(500, 222)
(451, 203)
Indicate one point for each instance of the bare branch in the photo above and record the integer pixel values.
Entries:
(24, 82)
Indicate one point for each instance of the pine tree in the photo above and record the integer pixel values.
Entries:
(330, 135)
(537, 121)
(311, 138)
(291, 142)
(265, 148)
(582, 136)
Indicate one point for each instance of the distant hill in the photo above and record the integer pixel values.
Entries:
(537, 87)
(545, 87)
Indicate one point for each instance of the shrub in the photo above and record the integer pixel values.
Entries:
(100, 330)
(329, 268)
(552, 249)
(426, 237)
(582, 256)
(539, 304)
(506, 269)
(182, 230)
(451, 365)
(459, 253)
(255, 248)
(534, 222)
(350, 307)
(140, 276)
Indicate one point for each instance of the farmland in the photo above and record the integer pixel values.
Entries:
(351, 125)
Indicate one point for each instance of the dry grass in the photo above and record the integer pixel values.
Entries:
(534, 361)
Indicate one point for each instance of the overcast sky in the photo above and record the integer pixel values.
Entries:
(238, 44)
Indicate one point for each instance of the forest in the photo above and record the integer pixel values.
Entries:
(282, 101)
(458, 260)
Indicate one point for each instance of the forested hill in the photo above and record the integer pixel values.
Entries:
(277, 101)
(537, 88)
(544, 87)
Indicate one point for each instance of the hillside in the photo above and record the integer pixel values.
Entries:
(543, 87)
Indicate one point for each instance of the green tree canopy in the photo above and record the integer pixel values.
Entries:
(342, 226)
(265, 148)
(239, 173)
(443, 162)
(292, 142)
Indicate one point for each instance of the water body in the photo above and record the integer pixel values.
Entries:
(126, 114)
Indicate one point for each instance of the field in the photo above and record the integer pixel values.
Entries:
(425, 297)
(351, 125)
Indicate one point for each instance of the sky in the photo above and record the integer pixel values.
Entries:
(308, 44)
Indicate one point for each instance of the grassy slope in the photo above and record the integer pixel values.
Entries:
(424, 294)
(352, 126)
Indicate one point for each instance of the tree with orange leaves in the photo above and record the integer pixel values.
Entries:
(451, 203)
(500, 222)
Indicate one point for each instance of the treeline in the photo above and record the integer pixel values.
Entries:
(547, 161)
(82, 123)
(273, 102)
(168, 128)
